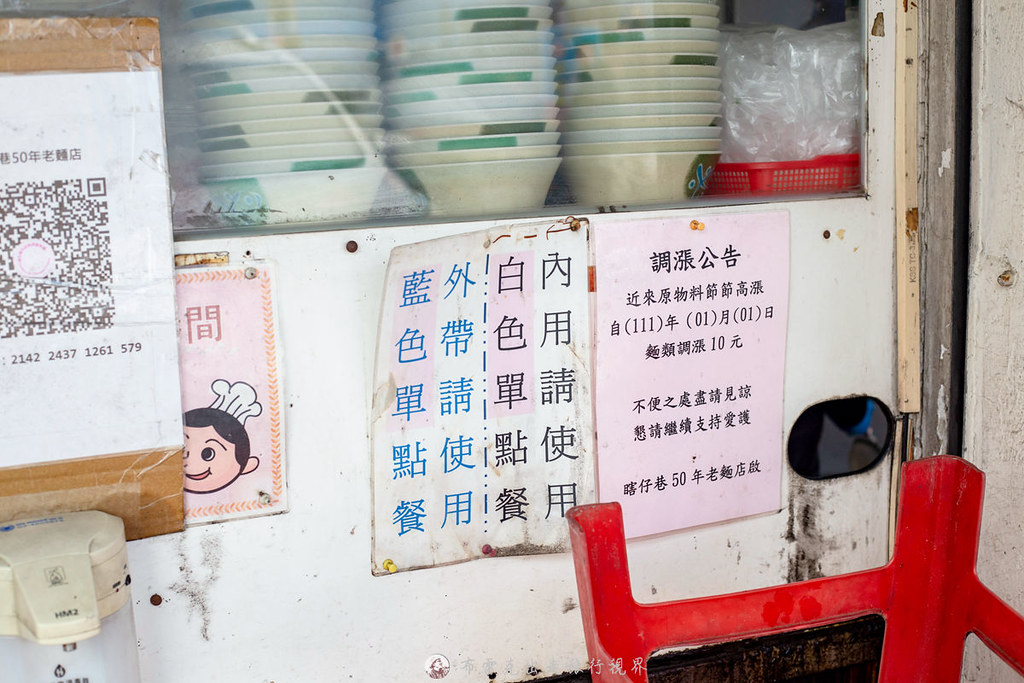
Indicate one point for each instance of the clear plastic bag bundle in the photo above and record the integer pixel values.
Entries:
(791, 94)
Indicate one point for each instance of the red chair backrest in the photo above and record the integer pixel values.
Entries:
(929, 593)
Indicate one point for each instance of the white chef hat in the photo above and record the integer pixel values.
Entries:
(237, 400)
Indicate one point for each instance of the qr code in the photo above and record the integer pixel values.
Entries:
(55, 258)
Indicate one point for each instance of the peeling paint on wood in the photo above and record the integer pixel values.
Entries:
(204, 259)
(878, 26)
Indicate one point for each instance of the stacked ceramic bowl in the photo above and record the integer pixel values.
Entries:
(470, 102)
(640, 98)
(285, 87)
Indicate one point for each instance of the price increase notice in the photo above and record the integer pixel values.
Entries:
(691, 342)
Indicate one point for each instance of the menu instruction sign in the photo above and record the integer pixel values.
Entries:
(482, 434)
(691, 344)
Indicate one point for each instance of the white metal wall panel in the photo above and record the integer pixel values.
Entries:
(291, 598)
(994, 402)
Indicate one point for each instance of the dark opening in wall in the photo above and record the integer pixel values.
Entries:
(840, 437)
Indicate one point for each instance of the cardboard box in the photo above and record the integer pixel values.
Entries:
(90, 414)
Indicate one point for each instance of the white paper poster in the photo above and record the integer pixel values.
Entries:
(482, 422)
(691, 346)
(88, 353)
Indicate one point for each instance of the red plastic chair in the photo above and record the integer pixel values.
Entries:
(929, 593)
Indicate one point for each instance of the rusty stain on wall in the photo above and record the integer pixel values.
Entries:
(807, 543)
(196, 582)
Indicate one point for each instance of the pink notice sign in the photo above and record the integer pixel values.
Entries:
(230, 393)
(691, 345)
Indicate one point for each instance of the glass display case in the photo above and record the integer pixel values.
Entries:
(293, 113)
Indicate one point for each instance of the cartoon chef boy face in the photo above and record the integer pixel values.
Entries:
(216, 450)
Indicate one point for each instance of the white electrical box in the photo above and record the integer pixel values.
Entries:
(65, 604)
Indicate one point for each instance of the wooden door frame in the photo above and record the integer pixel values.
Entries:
(944, 134)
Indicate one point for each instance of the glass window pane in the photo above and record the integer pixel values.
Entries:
(382, 111)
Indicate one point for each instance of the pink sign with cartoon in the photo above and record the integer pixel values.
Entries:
(231, 393)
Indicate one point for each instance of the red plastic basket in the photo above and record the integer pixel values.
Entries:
(833, 173)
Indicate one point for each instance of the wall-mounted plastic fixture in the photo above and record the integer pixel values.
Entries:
(839, 437)
(65, 605)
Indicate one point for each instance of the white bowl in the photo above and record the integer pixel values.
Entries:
(282, 125)
(583, 63)
(396, 145)
(632, 72)
(283, 29)
(639, 9)
(452, 92)
(492, 27)
(641, 35)
(448, 54)
(581, 4)
(713, 145)
(483, 188)
(396, 21)
(468, 78)
(336, 97)
(493, 116)
(205, 8)
(469, 41)
(641, 97)
(284, 16)
(709, 47)
(300, 70)
(585, 112)
(469, 64)
(480, 104)
(614, 86)
(398, 6)
(630, 179)
(639, 134)
(457, 130)
(328, 196)
(350, 114)
(259, 168)
(461, 156)
(315, 83)
(576, 28)
(619, 122)
(285, 50)
(291, 152)
(374, 136)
